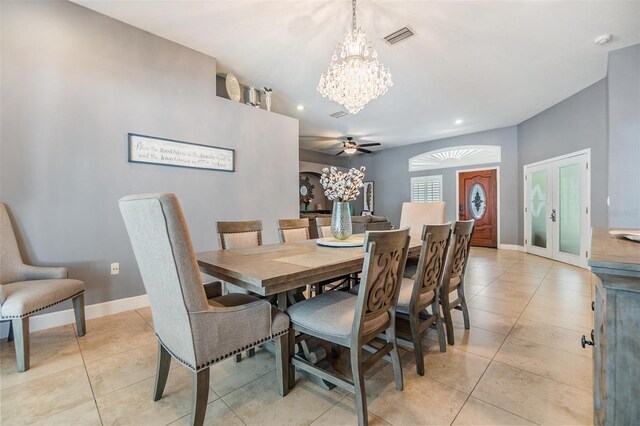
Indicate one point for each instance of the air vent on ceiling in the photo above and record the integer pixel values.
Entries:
(338, 114)
(398, 36)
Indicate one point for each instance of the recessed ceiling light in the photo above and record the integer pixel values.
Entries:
(300, 107)
(602, 39)
(459, 121)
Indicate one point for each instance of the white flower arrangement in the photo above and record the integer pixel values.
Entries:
(342, 186)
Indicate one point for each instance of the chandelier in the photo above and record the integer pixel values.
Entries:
(355, 77)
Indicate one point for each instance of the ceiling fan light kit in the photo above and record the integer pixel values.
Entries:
(355, 77)
(350, 147)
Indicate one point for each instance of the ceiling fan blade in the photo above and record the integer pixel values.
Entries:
(363, 150)
(340, 152)
(370, 144)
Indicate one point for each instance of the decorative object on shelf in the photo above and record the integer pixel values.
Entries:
(252, 96)
(306, 201)
(368, 196)
(267, 97)
(341, 188)
(233, 87)
(355, 77)
(169, 152)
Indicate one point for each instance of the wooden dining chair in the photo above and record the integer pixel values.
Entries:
(323, 225)
(290, 230)
(239, 234)
(196, 331)
(422, 292)
(453, 278)
(355, 321)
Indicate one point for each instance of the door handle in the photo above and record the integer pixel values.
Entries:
(553, 215)
(461, 212)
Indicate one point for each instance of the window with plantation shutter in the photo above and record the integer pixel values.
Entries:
(426, 189)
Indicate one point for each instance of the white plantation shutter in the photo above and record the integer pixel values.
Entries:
(426, 189)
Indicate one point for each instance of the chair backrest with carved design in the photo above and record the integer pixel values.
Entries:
(459, 251)
(290, 230)
(433, 257)
(239, 234)
(385, 258)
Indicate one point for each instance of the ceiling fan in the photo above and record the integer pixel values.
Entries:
(350, 147)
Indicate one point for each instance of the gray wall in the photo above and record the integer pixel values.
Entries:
(74, 82)
(623, 80)
(389, 169)
(322, 158)
(577, 123)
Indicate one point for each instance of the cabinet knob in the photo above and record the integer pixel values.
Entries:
(593, 306)
(586, 342)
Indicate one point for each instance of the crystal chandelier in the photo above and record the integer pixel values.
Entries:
(355, 77)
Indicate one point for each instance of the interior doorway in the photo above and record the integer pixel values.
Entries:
(478, 200)
(557, 211)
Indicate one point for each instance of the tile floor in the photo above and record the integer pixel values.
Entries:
(520, 363)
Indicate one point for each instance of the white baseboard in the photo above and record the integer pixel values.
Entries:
(510, 247)
(56, 319)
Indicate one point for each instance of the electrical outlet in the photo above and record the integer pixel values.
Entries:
(115, 268)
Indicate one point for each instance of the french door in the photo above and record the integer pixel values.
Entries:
(557, 208)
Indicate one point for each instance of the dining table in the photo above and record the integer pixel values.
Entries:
(281, 269)
(276, 269)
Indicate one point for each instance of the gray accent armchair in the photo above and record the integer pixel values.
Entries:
(195, 330)
(26, 289)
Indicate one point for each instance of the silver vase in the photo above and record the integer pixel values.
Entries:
(341, 220)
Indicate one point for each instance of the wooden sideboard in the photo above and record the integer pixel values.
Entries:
(616, 335)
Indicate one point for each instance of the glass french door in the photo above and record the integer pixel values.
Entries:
(557, 208)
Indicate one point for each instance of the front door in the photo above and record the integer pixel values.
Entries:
(478, 200)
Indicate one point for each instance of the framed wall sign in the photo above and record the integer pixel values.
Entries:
(168, 152)
(368, 196)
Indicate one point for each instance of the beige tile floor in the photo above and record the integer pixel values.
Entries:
(520, 363)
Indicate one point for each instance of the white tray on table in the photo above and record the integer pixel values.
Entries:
(352, 241)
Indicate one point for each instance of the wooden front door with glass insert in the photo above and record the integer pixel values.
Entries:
(478, 200)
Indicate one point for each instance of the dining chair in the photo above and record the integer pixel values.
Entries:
(416, 295)
(196, 331)
(239, 234)
(290, 230)
(27, 289)
(453, 278)
(415, 216)
(355, 321)
(323, 225)
(236, 235)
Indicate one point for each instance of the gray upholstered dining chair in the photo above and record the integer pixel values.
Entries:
(422, 292)
(290, 230)
(26, 289)
(195, 331)
(323, 225)
(355, 321)
(453, 278)
(236, 235)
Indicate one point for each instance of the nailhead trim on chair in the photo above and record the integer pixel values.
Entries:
(213, 361)
(40, 309)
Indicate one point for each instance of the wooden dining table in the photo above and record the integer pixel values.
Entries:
(275, 269)
(280, 269)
